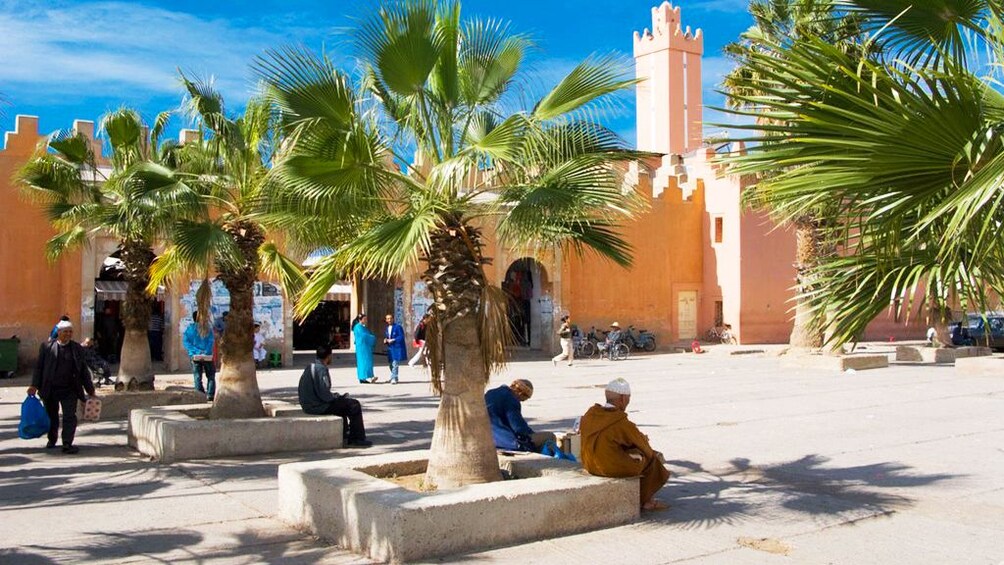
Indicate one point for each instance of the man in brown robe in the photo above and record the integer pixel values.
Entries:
(614, 447)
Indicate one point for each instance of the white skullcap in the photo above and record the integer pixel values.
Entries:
(63, 324)
(619, 386)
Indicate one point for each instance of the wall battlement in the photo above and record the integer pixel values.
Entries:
(668, 33)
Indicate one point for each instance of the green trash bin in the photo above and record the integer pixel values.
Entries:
(8, 356)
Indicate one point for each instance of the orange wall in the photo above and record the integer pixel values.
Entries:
(33, 292)
(768, 274)
(667, 258)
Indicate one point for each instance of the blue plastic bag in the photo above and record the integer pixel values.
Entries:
(34, 419)
(550, 449)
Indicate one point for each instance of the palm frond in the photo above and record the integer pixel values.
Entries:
(590, 80)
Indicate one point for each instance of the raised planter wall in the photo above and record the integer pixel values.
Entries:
(175, 433)
(342, 501)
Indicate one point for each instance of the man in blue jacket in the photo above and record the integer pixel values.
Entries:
(509, 428)
(198, 342)
(397, 349)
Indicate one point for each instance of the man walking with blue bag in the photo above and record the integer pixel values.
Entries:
(61, 378)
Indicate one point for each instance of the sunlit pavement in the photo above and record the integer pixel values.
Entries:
(770, 465)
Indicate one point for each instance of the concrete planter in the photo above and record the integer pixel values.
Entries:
(916, 354)
(835, 362)
(980, 367)
(175, 433)
(346, 503)
(117, 405)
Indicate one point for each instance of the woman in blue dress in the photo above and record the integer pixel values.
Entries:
(364, 341)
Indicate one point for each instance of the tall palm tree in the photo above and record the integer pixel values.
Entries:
(542, 178)
(905, 143)
(84, 197)
(228, 238)
(776, 25)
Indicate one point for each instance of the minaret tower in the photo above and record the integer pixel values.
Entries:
(669, 105)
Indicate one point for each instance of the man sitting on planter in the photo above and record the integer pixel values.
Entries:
(612, 446)
(510, 430)
(316, 398)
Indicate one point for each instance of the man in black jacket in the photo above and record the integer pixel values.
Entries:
(61, 379)
(315, 396)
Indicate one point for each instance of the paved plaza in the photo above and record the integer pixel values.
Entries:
(770, 465)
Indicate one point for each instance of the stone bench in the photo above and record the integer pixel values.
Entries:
(344, 501)
(176, 433)
(834, 362)
(915, 354)
(117, 405)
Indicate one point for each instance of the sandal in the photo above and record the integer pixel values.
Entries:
(654, 505)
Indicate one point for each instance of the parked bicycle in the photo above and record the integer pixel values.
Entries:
(644, 339)
(585, 345)
(722, 334)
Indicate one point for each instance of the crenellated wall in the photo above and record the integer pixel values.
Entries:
(34, 293)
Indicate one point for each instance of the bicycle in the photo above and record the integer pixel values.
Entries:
(722, 334)
(619, 351)
(585, 346)
(643, 340)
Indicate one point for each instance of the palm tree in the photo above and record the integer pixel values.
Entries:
(543, 178)
(904, 143)
(228, 169)
(83, 199)
(776, 25)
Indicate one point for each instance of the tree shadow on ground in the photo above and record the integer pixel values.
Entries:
(704, 499)
(250, 546)
(61, 484)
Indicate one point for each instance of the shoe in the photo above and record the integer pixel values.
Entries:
(569, 364)
(50, 445)
(209, 399)
(359, 443)
(70, 449)
(393, 381)
(372, 380)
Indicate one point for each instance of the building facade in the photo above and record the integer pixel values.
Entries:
(700, 258)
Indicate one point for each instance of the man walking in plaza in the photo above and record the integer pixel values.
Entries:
(198, 342)
(314, 392)
(61, 378)
(612, 446)
(565, 337)
(397, 349)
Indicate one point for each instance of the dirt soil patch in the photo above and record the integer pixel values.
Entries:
(770, 545)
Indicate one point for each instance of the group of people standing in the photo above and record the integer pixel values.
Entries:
(202, 345)
(393, 339)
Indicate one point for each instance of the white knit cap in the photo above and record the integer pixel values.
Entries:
(619, 386)
(63, 324)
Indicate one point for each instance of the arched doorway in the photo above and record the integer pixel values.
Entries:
(530, 309)
(110, 289)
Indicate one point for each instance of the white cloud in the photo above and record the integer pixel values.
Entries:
(95, 49)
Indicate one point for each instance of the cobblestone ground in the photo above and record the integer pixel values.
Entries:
(770, 465)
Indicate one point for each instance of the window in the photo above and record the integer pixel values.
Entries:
(719, 228)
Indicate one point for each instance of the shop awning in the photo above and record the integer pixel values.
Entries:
(339, 291)
(116, 290)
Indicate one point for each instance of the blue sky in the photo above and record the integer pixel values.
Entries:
(76, 59)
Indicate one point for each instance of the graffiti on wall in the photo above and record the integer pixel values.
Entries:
(421, 300)
(267, 307)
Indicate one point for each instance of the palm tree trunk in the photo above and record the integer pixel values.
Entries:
(807, 331)
(463, 450)
(237, 393)
(135, 366)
